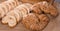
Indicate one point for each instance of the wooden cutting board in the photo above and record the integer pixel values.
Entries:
(54, 25)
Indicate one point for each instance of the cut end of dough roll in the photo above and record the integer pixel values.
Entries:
(4, 20)
(10, 20)
(12, 23)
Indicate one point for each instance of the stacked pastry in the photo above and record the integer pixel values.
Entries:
(38, 18)
(33, 17)
(45, 7)
(15, 15)
(7, 6)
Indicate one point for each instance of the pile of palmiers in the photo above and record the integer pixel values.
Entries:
(33, 16)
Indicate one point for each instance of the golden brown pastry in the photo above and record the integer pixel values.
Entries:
(35, 8)
(16, 15)
(44, 19)
(48, 8)
(35, 22)
(7, 6)
(45, 7)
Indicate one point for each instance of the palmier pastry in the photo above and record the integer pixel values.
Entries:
(35, 22)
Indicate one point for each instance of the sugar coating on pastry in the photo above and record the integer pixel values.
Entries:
(46, 8)
(35, 22)
(44, 19)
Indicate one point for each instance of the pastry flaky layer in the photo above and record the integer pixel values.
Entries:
(32, 16)
(15, 15)
(44, 7)
(7, 6)
(35, 21)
